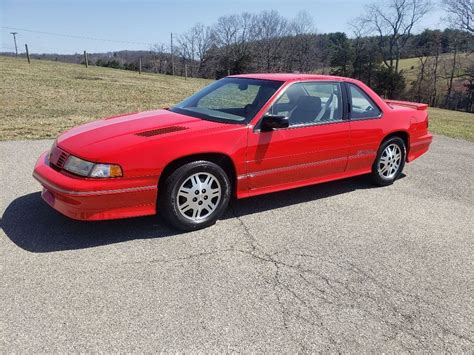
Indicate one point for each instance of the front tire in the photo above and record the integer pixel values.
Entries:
(390, 161)
(194, 196)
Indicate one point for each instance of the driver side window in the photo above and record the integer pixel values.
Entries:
(362, 106)
(310, 103)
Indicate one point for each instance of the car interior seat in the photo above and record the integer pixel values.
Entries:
(306, 110)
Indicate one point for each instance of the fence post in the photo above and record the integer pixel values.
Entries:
(140, 65)
(27, 53)
(85, 59)
(185, 72)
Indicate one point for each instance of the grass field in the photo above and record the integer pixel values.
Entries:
(453, 124)
(410, 66)
(45, 98)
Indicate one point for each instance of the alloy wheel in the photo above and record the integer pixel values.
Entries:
(390, 161)
(198, 196)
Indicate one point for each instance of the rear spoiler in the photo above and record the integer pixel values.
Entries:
(413, 105)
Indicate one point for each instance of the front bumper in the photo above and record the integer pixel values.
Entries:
(94, 199)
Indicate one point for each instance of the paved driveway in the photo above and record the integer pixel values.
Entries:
(341, 266)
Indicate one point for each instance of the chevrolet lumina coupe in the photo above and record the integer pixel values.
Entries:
(241, 136)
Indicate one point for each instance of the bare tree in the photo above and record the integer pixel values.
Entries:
(245, 36)
(271, 29)
(303, 23)
(234, 33)
(225, 34)
(203, 35)
(461, 14)
(187, 48)
(193, 46)
(453, 69)
(436, 57)
(359, 32)
(298, 52)
(393, 22)
(160, 57)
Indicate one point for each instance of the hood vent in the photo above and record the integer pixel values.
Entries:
(158, 131)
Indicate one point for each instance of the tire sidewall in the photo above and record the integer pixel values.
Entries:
(174, 182)
(381, 180)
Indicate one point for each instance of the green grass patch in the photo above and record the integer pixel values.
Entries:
(452, 123)
(411, 67)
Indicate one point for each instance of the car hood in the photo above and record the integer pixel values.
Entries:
(93, 140)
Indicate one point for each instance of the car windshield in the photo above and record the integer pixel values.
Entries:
(229, 100)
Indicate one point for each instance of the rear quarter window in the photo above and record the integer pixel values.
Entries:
(362, 106)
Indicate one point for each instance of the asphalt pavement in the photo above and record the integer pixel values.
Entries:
(337, 267)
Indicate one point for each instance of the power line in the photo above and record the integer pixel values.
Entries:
(76, 36)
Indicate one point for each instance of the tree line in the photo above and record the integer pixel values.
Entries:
(442, 73)
(379, 39)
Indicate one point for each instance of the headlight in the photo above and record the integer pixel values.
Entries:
(106, 170)
(86, 168)
(78, 166)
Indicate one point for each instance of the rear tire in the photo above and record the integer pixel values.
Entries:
(194, 196)
(390, 161)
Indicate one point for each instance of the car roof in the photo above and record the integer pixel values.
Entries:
(286, 77)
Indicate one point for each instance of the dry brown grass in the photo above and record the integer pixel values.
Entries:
(45, 98)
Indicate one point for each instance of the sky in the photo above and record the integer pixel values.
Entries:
(141, 23)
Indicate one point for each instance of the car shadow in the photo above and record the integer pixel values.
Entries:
(35, 227)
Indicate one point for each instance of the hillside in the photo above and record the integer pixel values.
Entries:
(45, 98)
(410, 66)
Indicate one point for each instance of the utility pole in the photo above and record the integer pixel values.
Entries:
(14, 40)
(27, 54)
(86, 60)
(172, 54)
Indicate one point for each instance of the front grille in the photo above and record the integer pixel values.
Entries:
(58, 157)
(62, 159)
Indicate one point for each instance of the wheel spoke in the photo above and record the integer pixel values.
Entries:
(183, 191)
(184, 208)
(196, 181)
(208, 181)
(196, 213)
(208, 207)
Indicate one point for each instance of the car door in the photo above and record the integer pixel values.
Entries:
(315, 144)
(365, 129)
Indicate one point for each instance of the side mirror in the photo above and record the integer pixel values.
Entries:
(271, 122)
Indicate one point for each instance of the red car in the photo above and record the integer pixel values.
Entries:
(243, 135)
